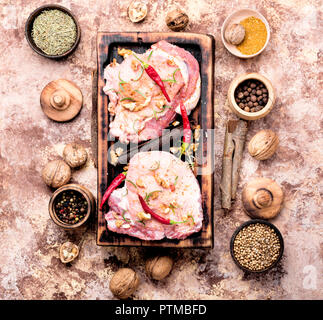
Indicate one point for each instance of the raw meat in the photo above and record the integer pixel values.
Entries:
(141, 110)
(171, 190)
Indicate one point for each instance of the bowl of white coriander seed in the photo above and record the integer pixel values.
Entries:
(256, 246)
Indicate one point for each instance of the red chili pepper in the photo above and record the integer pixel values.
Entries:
(187, 133)
(152, 73)
(155, 215)
(114, 184)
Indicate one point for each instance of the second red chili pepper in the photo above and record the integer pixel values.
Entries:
(187, 133)
(152, 73)
(155, 215)
(114, 184)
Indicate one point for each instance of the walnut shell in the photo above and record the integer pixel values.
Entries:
(137, 11)
(124, 283)
(74, 155)
(263, 144)
(235, 33)
(159, 267)
(56, 173)
(68, 252)
(177, 20)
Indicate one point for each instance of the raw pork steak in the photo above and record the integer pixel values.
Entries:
(170, 189)
(140, 108)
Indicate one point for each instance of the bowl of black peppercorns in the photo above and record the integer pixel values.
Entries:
(71, 206)
(251, 96)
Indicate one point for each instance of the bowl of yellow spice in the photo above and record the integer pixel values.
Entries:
(52, 31)
(245, 33)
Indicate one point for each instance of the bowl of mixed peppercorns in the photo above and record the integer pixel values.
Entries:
(251, 96)
(256, 246)
(71, 206)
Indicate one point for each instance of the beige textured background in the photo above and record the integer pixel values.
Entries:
(29, 240)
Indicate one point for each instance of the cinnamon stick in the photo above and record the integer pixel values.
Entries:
(239, 138)
(235, 136)
(228, 149)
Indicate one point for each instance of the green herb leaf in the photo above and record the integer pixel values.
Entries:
(155, 166)
(142, 70)
(172, 80)
(127, 98)
(123, 217)
(140, 93)
(121, 81)
(148, 195)
(164, 107)
(121, 87)
(132, 183)
(140, 221)
(175, 180)
(151, 52)
(155, 114)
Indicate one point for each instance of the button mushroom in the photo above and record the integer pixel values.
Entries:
(262, 198)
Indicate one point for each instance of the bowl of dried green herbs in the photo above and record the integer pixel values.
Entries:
(52, 31)
(256, 246)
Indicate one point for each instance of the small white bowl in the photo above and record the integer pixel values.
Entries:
(236, 17)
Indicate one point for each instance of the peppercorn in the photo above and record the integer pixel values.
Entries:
(70, 207)
(249, 94)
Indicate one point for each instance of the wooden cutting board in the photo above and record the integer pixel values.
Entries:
(202, 47)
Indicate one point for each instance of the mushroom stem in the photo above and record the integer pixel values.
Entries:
(263, 198)
(60, 100)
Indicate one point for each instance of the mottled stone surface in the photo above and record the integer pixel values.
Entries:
(29, 241)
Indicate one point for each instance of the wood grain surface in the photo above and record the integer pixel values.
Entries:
(202, 47)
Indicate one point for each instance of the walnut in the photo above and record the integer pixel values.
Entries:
(235, 33)
(140, 183)
(124, 283)
(56, 173)
(137, 11)
(68, 252)
(75, 155)
(263, 144)
(143, 216)
(159, 267)
(177, 20)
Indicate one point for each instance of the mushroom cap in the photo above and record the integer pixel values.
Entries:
(262, 198)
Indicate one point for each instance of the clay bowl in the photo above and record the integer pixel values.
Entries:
(251, 115)
(83, 191)
(29, 26)
(236, 17)
(254, 221)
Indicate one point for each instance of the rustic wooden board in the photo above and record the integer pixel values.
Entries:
(202, 47)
